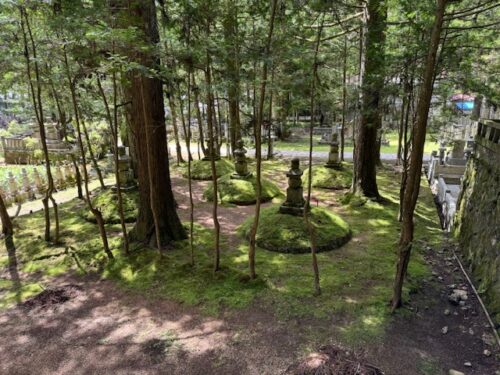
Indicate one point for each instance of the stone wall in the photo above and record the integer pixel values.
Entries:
(477, 222)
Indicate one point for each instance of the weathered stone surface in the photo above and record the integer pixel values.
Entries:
(477, 221)
(294, 204)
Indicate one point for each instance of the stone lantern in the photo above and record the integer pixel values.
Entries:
(294, 204)
(333, 154)
(240, 163)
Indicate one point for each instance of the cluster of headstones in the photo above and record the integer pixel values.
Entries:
(21, 188)
(295, 202)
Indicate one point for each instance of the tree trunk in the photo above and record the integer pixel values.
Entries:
(344, 100)
(199, 117)
(37, 105)
(113, 125)
(366, 150)
(175, 127)
(415, 169)
(230, 24)
(170, 227)
(184, 129)
(91, 153)
(7, 227)
(307, 210)
(258, 151)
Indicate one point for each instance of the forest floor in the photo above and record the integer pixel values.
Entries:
(150, 315)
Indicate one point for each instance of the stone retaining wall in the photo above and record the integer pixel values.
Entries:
(477, 222)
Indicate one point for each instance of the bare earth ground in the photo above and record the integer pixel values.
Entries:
(104, 329)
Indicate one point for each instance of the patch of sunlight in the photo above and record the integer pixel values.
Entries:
(379, 222)
(372, 320)
(350, 300)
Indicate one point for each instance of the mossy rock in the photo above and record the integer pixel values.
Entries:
(107, 202)
(202, 169)
(288, 233)
(329, 178)
(242, 192)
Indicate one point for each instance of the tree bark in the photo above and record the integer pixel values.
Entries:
(143, 16)
(415, 169)
(175, 127)
(366, 150)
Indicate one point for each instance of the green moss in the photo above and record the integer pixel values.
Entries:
(329, 178)
(202, 169)
(288, 234)
(107, 202)
(242, 192)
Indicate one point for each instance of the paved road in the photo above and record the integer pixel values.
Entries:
(289, 154)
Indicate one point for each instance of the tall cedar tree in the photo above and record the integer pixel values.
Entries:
(366, 150)
(155, 188)
(417, 152)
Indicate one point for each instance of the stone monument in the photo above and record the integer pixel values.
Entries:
(60, 182)
(442, 150)
(125, 173)
(333, 154)
(27, 184)
(294, 204)
(39, 184)
(240, 162)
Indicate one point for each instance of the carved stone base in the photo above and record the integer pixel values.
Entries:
(236, 176)
(208, 158)
(333, 165)
(291, 210)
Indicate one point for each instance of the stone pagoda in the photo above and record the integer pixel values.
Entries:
(295, 202)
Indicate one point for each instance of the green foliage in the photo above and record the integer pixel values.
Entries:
(202, 169)
(328, 178)
(241, 192)
(107, 202)
(288, 233)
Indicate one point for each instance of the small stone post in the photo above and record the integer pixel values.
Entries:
(240, 163)
(125, 173)
(39, 185)
(27, 184)
(294, 204)
(60, 183)
(442, 150)
(333, 154)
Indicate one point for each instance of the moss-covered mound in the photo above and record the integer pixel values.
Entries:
(242, 192)
(329, 178)
(288, 234)
(202, 169)
(107, 202)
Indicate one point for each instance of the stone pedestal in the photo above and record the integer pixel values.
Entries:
(240, 163)
(294, 204)
(39, 184)
(27, 188)
(125, 173)
(442, 151)
(60, 181)
(333, 155)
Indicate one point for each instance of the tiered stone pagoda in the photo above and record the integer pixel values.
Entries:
(333, 154)
(295, 202)
(240, 162)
